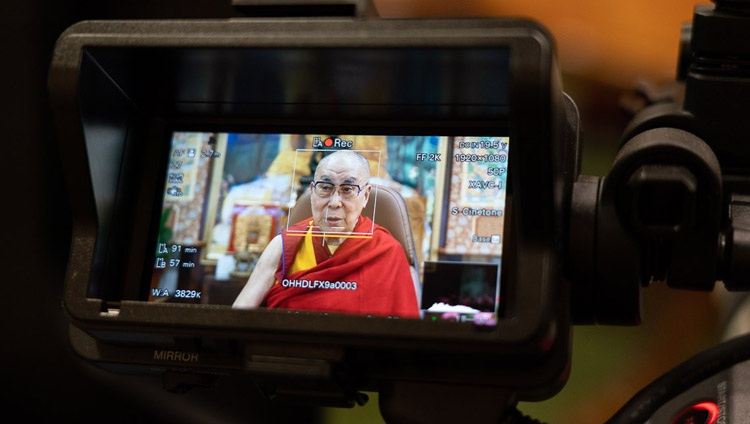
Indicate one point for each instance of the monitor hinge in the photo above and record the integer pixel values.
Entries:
(305, 381)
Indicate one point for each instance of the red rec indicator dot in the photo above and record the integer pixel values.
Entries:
(328, 142)
(698, 413)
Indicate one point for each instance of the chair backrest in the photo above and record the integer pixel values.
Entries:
(389, 209)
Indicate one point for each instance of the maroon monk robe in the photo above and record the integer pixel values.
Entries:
(364, 276)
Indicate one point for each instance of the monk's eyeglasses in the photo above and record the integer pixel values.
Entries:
(326, 189)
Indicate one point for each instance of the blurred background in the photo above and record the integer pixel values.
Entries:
(607, 51)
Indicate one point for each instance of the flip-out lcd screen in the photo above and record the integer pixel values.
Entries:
(367, 206)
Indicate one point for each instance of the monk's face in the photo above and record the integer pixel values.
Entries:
(341, 193)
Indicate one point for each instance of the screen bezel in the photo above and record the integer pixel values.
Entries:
(530, 316)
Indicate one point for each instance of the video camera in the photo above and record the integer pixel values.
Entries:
(188, 145)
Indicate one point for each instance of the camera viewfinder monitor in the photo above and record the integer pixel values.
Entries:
(386, 198)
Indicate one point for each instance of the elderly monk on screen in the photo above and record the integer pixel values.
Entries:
(337, 260)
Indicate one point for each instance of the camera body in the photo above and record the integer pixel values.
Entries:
(123, 92)
(162, 123)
